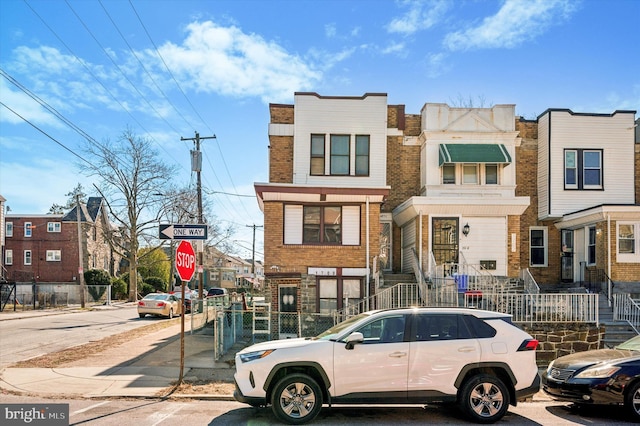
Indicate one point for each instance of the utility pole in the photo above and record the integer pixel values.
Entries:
(80, 256)
(196, 166)
(253, 254)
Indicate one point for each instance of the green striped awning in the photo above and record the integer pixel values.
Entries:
(473, 153)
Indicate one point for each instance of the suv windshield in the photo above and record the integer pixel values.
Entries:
(338, 328)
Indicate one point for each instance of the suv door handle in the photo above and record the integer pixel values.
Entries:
(466, 349)
(397, 354)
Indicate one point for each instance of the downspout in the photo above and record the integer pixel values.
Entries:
(368, 277)
(420, 243)
(609, 287)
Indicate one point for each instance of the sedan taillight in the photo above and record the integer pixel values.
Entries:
(528, 345)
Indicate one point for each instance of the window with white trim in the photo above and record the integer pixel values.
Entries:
(538, 246)
(627, 242)
(322, 224)
(27, 257)
(8, 229)
(8, 257)
(54, 255)
(591, 246)
(491, 174)
(27, 229)
(54, 226)
(470, 174)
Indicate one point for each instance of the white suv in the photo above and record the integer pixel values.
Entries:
(476, 358)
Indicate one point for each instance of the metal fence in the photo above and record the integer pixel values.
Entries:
(53, 295)
(627, 309)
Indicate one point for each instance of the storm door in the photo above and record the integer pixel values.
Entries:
(566, 264)
(444, 243)
(288, 311)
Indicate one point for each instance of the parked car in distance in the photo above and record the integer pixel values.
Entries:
(216, 291)
(219, 296)
(477, 359)
(159, 304)
(188, 295)
(598, 377)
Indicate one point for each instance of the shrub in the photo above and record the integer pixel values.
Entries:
(157, 283)
(118, 289)
(146, 289)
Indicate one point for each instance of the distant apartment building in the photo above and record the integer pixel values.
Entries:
(45, 248)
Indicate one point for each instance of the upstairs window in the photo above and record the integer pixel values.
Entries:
(449, 174)
(340, 154)
(583, 169)
(470, 174)
(27, 229)
(317, 155)
(322, 225)
(27, 257)
(54, 226)
(362, 155)
(54, 256)
(8, 257)
(9, 229)
(491, 174)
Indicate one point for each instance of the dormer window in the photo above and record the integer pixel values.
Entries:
(347, 155)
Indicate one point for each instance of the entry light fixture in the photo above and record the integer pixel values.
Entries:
(466, 229)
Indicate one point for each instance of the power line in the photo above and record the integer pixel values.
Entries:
(47, 135)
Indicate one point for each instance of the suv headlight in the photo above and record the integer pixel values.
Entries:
(252, 356)
(600, 372)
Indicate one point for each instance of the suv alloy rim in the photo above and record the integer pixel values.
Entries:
(297, 400)
(486, 399)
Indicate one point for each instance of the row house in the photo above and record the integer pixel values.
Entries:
(44, 248)
(358, 188)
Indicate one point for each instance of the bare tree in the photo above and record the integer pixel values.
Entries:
(130, 172)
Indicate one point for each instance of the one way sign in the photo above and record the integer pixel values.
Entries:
(177, 231)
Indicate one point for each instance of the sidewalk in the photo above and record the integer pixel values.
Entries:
(147, 366)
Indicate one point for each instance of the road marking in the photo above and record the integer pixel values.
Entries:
(163, 416)
(90, 407)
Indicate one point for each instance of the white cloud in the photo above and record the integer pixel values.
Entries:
(421, 15)
(25, 106)
(224, 60)
(516, 22)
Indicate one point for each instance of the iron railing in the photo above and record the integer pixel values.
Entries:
(626, 309)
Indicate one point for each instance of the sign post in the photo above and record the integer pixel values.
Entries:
(186, 267)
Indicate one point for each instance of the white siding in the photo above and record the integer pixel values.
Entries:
(487, 240)
(350, 225)
(612, 134)
(352, 116)
(408, 242)
(292, 224)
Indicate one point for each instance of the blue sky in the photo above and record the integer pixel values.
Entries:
(169, 68)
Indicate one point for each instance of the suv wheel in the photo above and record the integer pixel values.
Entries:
(484, 398)
(296, 399)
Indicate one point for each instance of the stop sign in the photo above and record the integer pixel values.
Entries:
(185, 260)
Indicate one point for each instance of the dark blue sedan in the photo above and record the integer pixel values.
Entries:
(598, 377)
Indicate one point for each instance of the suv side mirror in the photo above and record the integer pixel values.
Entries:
(353, 339)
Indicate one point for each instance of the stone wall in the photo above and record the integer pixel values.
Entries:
(556, 340)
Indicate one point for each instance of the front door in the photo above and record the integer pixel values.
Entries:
(444, 243)
(288, 308)
(385, 246)
(566, 264)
